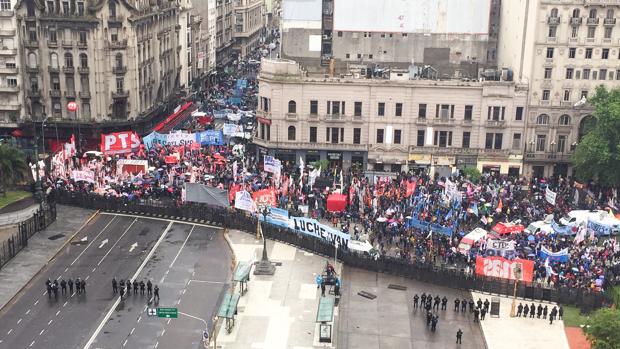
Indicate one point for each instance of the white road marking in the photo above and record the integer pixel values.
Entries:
(206, 282)
(119, 239)
(103, 243)
(44, 293)
(64, 305)
(87, 277)
(37, 302)
(31, 344)
(66, 269)
(184, 290)
(27, 311)
(156, 344)
(118, 300)
(182, 246)
(133, 246)
(49, 322)
(18, 321)
(162, 332)
(161, 219)
(140, 318)
(168, 323)
(133, 329)
(58, 312)
(178, 302)
(95, 268)
(125, 342)
(87, 246)
(10, 331)
(40, 333)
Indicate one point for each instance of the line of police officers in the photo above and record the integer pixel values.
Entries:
(53, 287)
(126, 287)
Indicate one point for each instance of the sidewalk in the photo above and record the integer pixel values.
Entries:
(520, 333)
(41, 248)
(277, 311)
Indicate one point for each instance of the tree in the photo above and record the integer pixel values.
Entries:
(472, 173)
(597, 155)
(13, 165)
(603, 329)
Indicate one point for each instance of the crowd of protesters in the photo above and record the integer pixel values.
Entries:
(379, 210)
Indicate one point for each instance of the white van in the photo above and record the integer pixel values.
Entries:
(539, 226)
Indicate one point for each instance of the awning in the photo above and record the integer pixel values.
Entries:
(421, 159)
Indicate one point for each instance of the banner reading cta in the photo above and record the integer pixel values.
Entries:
(503, 268)
(313, 228)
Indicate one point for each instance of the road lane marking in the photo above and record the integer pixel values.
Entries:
(10, 331)
(66, 269)
(168, 323)
(184, 290)
(87, 277)
(58, 312)
(161, 219)
(44, 293)
(49, 322)
(156, 344)
(118, 300)
(87, 246)
(40, 333)
(178, 302)
(133, 329)
(64, 305)
(182, 246)
(37, 302)
(28, 312)
(125, 342)
(133, 247)
(207, 282)
(140, 318)
(103, 243)
(162, 332)
(31, 344)
(95, 268)
(119, 239)
(18, 321)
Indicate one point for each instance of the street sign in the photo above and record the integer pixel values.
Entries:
(168, 312)
(152, 312)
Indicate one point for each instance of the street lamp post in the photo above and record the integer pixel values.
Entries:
(517, 275)
(264, 266)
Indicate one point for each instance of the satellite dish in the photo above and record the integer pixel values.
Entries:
(581, 102)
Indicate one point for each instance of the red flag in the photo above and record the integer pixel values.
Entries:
(410, 189)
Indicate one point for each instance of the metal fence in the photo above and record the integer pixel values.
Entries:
(426, 272)
(41, 219)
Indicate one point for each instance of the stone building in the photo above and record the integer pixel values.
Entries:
(224, 38)
(116, 59)
(390, 124)
(11, 86)
(248, 26)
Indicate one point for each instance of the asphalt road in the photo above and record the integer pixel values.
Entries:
(115, 246)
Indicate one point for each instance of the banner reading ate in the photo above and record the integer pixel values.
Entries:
(503, 268)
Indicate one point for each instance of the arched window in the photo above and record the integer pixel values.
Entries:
(112, 8)
(32, 60)
(68, 60)
(83, 60)
(292, 107)
(119, 60)
(291, 133)
(610, 13)
(564, 120)
(592, 13)
(54, 60)
(554, 12)
(576, 13)
(586, 125)
(542, 119)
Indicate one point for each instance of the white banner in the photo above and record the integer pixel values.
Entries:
(243, 201)
(271, 164)
(231, 129)
(550, 196)
(86, 176)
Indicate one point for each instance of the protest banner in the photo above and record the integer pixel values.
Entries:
(265, 197)
(243, 201)
(277, 216)
(550, 196)
(231, 129)
(560, 256)
(173, 139)
(503, 268)
(119, 142)
(132, 166)
(312, 227)
(271, 164)
(500, 248)
(86, 176)
(210, 137)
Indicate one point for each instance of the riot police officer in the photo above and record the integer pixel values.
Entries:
(78, 285)
(114, 286)
(63, 286)
(415, 301)
(156, 293)
(70, 283)
(142, 285)
(149, 288)
(135, 287)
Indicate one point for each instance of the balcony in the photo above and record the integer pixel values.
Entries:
(116, 19)
(547, 156)
(5, 51)
(119, 70)
(6, 88)
(552, 39)
(84, 95)
(31, 44)
(70, 94)
(34, 93)
(67, 43)
(495, 123)
(120, 95)
(421, 121)
(567, 103)
(53, 69)
(310, 146)
(606, 41)
(7, 32)
(592, 21)
(573, 40)
(467, 123)
(545, 103)
(82, 45)
(609, 21)
(68, 70)
(291, 115)
(117, 45)
(553, 20)
(457, 151)
(444, 121)
(52, 44)
(574, 21)
(6, 13)
(334, 118)
(9, 70)
(590, 41)
(83, 70)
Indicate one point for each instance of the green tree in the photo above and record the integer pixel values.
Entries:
(603, 329)
(13, 165)
(597, 155)
(323, 164)
(472, 173)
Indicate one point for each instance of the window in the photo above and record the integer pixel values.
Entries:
(422, 111)
(82, 37)
(120, 84)
(444, 111)
(313, 132)
(11, 82)
(34, 83)
(80, 8)
(292, 107)
(584, 94)
(602, 75)
(65, 7)
(348, 55)
(591, 32)
(607, 32)
(516, 141)
(339, 34)
(588, 53)
(381, 109)
(605, 53)
(594, 74)
(397, 136)
(569, 73)
(566, 95)
(553, 31)
(610, 14)
(561, 143)
(443, 139)
(577, 74)
(592, 13)
(554, 13)
(32, 33)
(574, 32)
(498, 141)
(83, 60)
(542, 119)
(112, 8)
(469, 111)
(291, 133)
(56, 108)
(399, 109)
(466, 139)
(541, 140)
(586, 74)
(86, 110)
(564, 120)
(53, 35)
(548, 72)
(519, 114)
(576, 13)
(572, 51)
(549, 52)
(420, 139)
(335, 107)
(314, 107)
(618, 74)
(488, 142)
(545, 95)
(84, 84)
(118, 60)
(70, 83)
(357, 109)
(5, 5)
(55, 83)
(379, 135)
(68, 60)
(370, 56)
(357, 135)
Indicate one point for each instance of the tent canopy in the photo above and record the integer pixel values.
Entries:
(336, 202)
(196, 192)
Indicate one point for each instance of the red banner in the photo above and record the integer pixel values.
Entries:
(504, 268)
(410, 189)
(265, 197)
(119, 142)
(171, 159)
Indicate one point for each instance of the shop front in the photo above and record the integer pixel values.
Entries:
(443, 166)
(335, 159)
(419, 163)
(511, 165)
(312, 156)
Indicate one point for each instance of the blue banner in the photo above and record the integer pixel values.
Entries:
(210, 137)
(425, 226)
(561, 229)
(599, 228)
(277, 216)
(560, 256)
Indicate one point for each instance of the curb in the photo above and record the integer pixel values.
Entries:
(48, 261)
